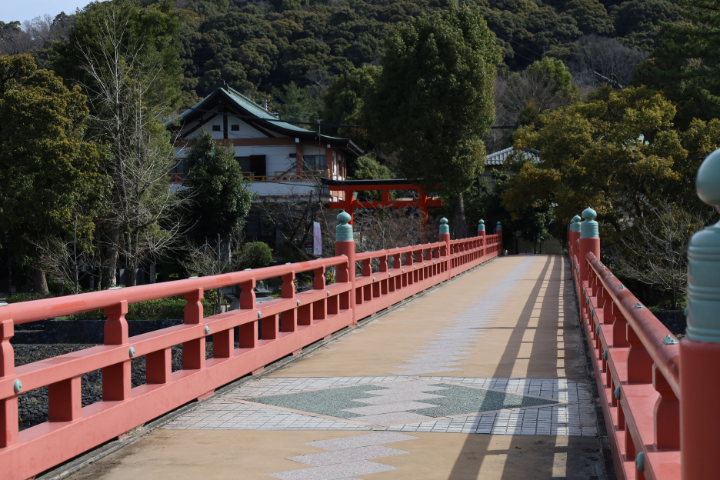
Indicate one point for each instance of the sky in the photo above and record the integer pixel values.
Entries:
(11, 10)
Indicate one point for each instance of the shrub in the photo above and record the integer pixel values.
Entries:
(255, 255)
(26, 297)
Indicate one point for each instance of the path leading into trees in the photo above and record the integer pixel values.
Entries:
(483, 377)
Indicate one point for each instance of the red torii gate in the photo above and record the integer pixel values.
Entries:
(349, 187)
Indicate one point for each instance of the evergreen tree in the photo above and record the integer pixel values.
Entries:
(219, 193)
(50, 174)
(434, 100)
(686, 66)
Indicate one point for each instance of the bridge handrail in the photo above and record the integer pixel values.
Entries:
(635, 361)
(24, 312)
(398, 250)
(646, 326)
(266, 332)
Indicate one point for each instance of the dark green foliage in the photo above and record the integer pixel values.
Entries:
(215, 183)
(160, 309)
(434, 98)
(686, 67)
(252, 46)
(49, 172)
(343, 101)
(295, 103)
(26, 297)
(155, 28)
(255, 255)
(639, 21)
(366, 167)
(534, 222)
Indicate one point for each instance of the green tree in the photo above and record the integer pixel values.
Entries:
(366, 167)
(49, 172)
(217, 188)
(640, 22)
(255, 255)
(686, 66)
(150, 31)
(619, 152)
(342, 104)
(546, 85)
(434, 99)
(556, 75)
(295, 103)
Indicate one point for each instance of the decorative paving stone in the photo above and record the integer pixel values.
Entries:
(359, 441)
(343, 470)
(515, 417)
(347, 456)
(401, 406)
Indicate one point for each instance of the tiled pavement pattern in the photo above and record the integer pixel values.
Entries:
(575, 417)
(444, 352)
(346, 457)
(399, 402)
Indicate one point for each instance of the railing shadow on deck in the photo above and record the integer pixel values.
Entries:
(545, 314)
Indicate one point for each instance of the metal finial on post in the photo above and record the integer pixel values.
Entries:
(703, 323)
(700, 349)
(444, 228)
(343, 231)
(589, 228)
(481, 225)
(575, 224)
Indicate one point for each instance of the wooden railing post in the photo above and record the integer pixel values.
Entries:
(589, 242)
(9, 406)
(667, 413)
(193, 354)
(444, 236)
(345, 245)
(700, 349)
(481, 234)
(116, 381)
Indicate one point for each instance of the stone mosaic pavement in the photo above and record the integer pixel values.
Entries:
(401, 403)
(422, 392)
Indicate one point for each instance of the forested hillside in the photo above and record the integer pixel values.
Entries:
(258, 45)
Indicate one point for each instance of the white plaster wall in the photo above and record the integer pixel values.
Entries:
(277, 157)
(278, 189)
(246, 131)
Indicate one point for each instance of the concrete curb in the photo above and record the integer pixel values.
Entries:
(78, 463)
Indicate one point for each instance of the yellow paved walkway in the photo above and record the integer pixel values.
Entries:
(483, 377)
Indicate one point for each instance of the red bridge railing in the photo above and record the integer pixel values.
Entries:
(659, 396)
(636, 364)
(286, 325)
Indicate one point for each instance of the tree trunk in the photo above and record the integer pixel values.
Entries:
(39, 281)
(460, 227)
(225, 250)
(111, 258)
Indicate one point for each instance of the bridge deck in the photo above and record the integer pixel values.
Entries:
(483, 377)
